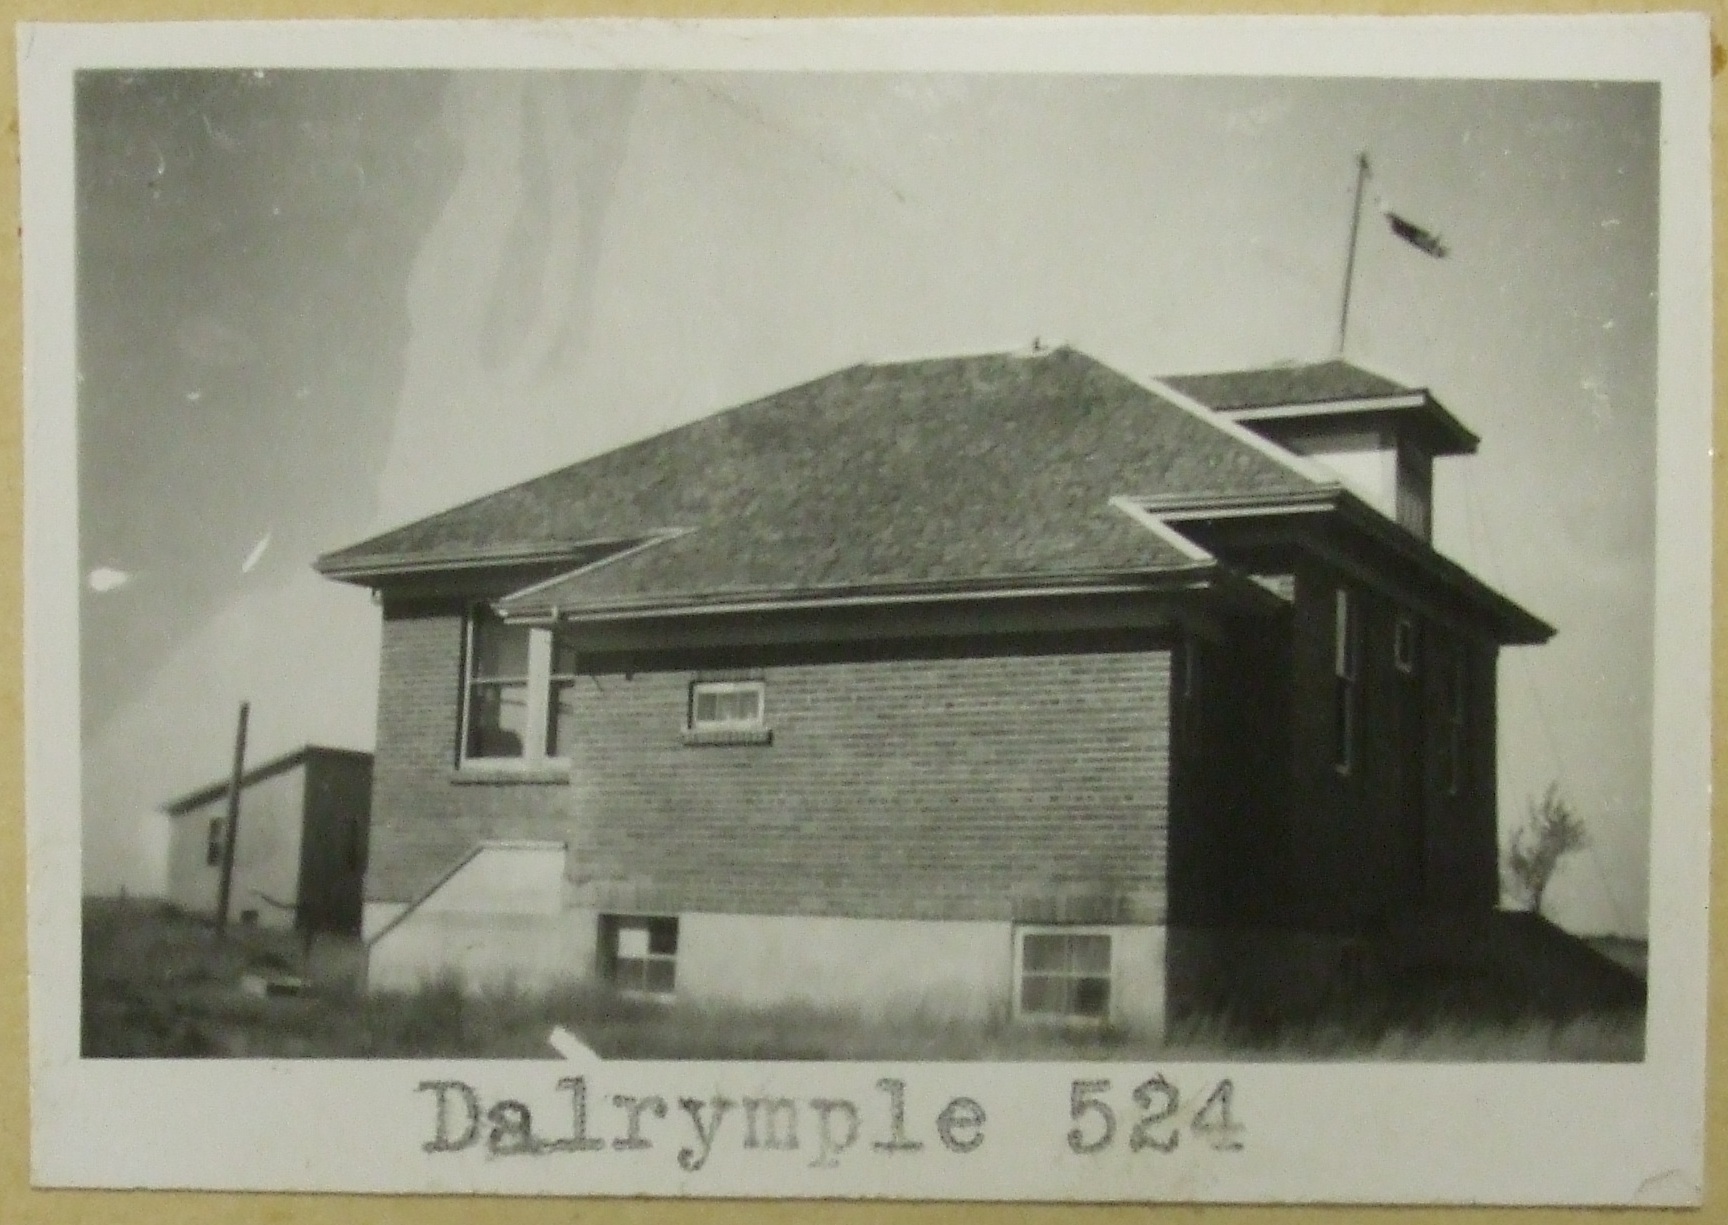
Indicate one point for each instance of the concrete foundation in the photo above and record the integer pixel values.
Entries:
(376, 916)
(497, 917)
(527, 936)
(531, 952)
(875, 965)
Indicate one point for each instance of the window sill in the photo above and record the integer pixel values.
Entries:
(541, 775)
(1062, 1020)
(662, 999)
(728, 735)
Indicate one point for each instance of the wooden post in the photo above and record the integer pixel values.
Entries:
(231, 827)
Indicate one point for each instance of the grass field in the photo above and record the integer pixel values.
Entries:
(161, 985)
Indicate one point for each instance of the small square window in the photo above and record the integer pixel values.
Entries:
(639, 953)
(1064, 974)
(727, 712)
(1404, 645)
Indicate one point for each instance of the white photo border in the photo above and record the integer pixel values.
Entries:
(1341, 1133)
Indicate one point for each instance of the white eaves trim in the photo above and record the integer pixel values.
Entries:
(1182, 510)
(1161, 529)
(793, 602)
(660, 537)
(1365, 405)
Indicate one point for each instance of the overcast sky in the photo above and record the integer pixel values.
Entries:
(313, 305)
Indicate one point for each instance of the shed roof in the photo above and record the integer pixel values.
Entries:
(257, 774)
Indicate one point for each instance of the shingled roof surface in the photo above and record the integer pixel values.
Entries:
(1318, 383)
(941, 471)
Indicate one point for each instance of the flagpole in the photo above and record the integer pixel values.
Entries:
(1350, 256)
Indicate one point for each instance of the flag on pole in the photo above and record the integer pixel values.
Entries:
(1425, 241)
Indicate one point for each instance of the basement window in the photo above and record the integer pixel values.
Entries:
(639, 953)
(1062, 974)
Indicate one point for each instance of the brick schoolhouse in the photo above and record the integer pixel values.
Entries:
(989, 684)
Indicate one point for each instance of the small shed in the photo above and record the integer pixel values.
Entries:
(300, 857)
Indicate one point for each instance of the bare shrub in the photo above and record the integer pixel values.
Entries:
(1551, 831)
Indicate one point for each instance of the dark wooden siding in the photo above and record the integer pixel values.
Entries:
(1230, 836)
(333, 845)
(1390, 835)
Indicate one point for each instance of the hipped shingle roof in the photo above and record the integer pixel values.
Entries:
(944, 471)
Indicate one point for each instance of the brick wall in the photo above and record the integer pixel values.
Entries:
(951, 788)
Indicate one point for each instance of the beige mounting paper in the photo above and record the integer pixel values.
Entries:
(1151, 1128)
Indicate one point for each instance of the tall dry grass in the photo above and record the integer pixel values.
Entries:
(160, 985)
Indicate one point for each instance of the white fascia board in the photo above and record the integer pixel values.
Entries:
(1320, 408)
(660, 537)
(1162, 530)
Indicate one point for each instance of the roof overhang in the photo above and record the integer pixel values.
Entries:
(194, 800)
(485, 572)
(1188, 599)
(1252, 532)
(1419, 415)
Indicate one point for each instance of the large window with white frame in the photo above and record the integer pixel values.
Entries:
(518, 693)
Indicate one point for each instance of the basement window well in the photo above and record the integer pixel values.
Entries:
(1062, 974)
(639, 953)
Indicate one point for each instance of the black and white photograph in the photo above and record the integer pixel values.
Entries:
(930, 609)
